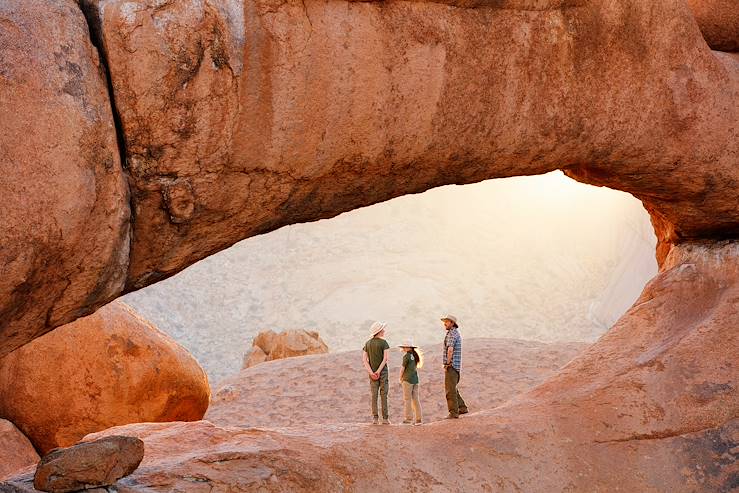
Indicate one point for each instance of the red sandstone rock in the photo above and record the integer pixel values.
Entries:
(719, 22)
(107, 369)
(651, 406)
(16, 452)
(97, 463)
(65, 217)
(269, 345)
(240, 118)
(328, 107)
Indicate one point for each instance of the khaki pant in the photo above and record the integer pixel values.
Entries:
(454, 401)
(381, 387)
(411, 403)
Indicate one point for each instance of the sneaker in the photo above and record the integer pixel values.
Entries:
(452, 416)
(386, 421)
(419, 423)
(407, 422)
(375, 421)
(463, 411)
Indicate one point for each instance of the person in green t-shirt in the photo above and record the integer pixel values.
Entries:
(409, 380)
(375, 356)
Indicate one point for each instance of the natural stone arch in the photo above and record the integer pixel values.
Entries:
(235, 119)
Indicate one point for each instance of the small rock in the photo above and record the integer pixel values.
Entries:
(269, 345)
(89, 464)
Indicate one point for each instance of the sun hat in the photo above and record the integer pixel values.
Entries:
(408, 343)
(376, 328)
(451, 318)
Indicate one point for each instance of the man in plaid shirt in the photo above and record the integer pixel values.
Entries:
(452, 367)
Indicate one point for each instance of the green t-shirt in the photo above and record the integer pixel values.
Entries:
(410, 374)
(375, 349)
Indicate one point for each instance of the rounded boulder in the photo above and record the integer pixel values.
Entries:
(108, 369)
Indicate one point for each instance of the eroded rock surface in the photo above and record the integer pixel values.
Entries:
(65, 214)
(270, 345)
(719, 22)
(97, 463)
(107, 369)
(16, 451)
(651, 406)
(240, 118)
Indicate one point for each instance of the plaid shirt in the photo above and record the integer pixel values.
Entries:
(454, 339)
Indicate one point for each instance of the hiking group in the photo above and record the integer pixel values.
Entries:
(375, 355)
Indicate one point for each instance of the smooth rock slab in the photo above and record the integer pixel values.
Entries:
(91, 464)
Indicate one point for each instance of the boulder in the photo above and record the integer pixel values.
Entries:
(97, 463)
(90, 466)
(65, 213)
(719, 22)
(269, 345)
(16, 452)
(107, 369)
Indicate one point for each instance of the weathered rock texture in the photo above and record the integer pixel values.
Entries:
(16, 452)
(98, 463)
(237, 118)
(64, 232)
(240, 118)
(719, 22)
(652, 406)
(107, 369)
(270, 345)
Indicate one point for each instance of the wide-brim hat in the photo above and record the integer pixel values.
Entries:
(451, 318)
(408, 343)
(376, 328)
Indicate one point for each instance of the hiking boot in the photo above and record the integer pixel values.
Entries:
(465, 411)
(452, 416)
(407, 422)
(385, 421)
(375, 421)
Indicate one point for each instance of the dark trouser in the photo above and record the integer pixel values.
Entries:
(381, 386)
(454, 401)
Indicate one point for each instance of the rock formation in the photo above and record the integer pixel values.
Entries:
(269, 345)
(237, 118)
(650, 407)
(107, 369)
(84, 466)
(719, 22)
(65, 215)
(16, 452)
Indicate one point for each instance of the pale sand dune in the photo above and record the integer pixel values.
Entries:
(333, 388)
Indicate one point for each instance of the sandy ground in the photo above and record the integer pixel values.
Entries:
(333, 388)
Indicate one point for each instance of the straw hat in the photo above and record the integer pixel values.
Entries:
(408, 343)
(376, 328)
(451, 318)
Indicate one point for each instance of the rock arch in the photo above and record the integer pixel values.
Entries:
(237, 118)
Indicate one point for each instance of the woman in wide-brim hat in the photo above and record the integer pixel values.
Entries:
(409, 380)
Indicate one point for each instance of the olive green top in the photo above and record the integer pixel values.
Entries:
(375, 349)
(410, 374)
